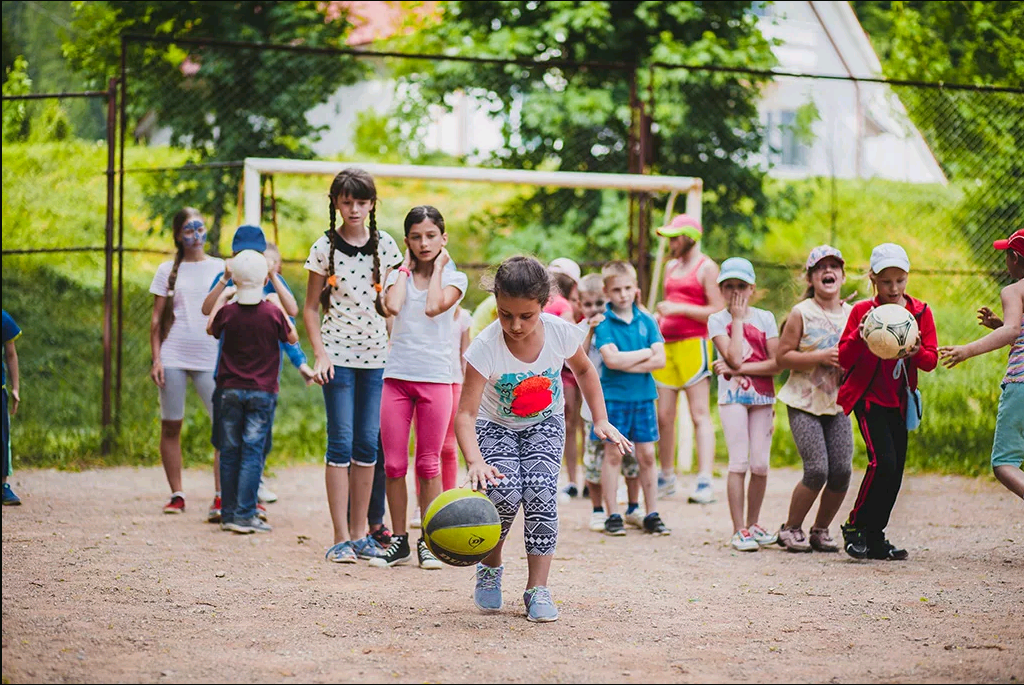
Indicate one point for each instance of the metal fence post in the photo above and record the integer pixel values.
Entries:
(108, 268)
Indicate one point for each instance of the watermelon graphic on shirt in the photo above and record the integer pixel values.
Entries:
(532, 396)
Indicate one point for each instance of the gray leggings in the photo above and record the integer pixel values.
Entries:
(825, 444)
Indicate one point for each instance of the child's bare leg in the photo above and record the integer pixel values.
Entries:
(610, 477)
(494, 558)
(1012, 477)
(801, 503)
(734, 489)
(755, 497)
(648, 474)
(170, 453)
(336, 479)
(831, 502)
(539, 566)
(668, 401)
(633, 490)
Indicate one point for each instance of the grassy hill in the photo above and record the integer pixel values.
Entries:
(54, 194)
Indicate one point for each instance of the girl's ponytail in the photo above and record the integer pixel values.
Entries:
(373, 244)
(167, 315)
(325, 294)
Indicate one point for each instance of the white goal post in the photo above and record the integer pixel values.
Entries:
(256, 167)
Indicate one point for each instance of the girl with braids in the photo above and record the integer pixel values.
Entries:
(350, 346)
(181, 347)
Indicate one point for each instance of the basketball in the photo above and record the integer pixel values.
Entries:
(461, 527)
(889, 330)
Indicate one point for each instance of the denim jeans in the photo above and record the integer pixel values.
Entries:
(352, 399)
(246, 417)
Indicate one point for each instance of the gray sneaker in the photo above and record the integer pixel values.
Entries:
(540, 608)
(794, 539)
(487, 594)
(246, 526)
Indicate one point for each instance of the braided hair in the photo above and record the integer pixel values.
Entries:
(180, 219)
(358, 185)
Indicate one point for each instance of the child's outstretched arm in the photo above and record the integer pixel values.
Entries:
(590, 385)
(988, 319)
(1012, 297)
(479, 474)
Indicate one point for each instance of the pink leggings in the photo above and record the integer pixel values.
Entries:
(450, 450)
(432, 405)
(748, 436)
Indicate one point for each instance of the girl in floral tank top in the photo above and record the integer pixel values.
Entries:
(809, 348)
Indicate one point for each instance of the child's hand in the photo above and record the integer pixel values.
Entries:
(156, 372)
(830, 357)
(480, 475)
(988, 319)
(951, 355)
(738, 305)
(15, 399)
(666, 308)
(227, 269)
(721, 368)
(273, 264)
(915, 349)
(323, 370)
(307, 373)
(606, 431)
(442, 258)
(595, 320)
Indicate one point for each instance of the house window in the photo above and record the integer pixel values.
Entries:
(761, 9)
(783, 138)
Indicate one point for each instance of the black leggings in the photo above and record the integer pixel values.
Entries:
(884, 430)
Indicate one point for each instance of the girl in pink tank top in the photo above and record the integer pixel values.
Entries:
(686, 289)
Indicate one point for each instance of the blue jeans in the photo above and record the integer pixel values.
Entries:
(246, 417)
(352, 399)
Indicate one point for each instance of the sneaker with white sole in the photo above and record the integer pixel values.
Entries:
(342, 553)
(634, 519)
(416, 521)
(821, 540)
(794, 539)
(762, 536)
(426, 557)
(177, 504)
(597, 521)
(213, 515)
(703, 493)
(487, 593)
(666, 485)
(397, 552)
(613, 525)
(540, 608)
(367, 548)
(653, 524)
(743, 541)
(247, 526)
(12, 500)
(264, 494)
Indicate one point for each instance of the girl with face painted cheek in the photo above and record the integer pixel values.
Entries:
(181, 347)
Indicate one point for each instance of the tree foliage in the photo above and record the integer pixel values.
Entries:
(223, 103)
(579, 118)
(977, 136)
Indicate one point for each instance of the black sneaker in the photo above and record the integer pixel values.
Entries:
(654, 525)
(613, 525)
(426, 557)
(855, 541)
(398, 552)
(880, 548)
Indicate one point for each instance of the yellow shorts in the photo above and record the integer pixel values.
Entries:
(687, 362)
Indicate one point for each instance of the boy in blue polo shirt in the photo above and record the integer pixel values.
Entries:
(632, 347)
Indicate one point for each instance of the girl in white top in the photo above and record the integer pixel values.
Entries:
(747, 340)
(180, 345)
(350, 347)
(422, 295)
(809, 348)
(511, 424)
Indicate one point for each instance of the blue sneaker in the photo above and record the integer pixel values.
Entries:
(487, 595)
(703, 493)
(540, 608)
(10, 499)
(367, 548)
(342, 553)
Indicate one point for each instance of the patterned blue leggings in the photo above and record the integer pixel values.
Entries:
(530, 459)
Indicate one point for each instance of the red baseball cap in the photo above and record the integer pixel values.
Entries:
(1015, 242)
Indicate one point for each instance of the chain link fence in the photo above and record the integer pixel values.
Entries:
(788, 162)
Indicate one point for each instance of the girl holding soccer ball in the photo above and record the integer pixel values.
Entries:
(877, 391)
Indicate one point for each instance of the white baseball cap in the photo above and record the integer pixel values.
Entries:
(249, 274)
(889, 254)
(564, 265)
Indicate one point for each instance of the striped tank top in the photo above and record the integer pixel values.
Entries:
(1015, 365)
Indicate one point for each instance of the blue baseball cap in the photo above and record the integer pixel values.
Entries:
(738, 268)
(249, 238)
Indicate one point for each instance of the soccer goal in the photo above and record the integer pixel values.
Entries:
(256, 168)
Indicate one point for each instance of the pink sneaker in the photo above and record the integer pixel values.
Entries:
(794, 539)
(822, 541)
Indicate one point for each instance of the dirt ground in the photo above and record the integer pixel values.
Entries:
(100, 586)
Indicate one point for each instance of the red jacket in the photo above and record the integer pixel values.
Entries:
(861, 368)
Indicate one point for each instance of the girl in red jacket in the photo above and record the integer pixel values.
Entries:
(875, 390)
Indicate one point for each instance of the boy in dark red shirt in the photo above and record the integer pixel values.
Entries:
(251, 330)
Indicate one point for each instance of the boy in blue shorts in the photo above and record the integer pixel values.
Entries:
(10, 333)
(632, 347)
(1008, 441)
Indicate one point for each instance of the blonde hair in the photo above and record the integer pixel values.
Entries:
(591, 283)
(617, 268)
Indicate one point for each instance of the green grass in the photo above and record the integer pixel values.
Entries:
(54, 195)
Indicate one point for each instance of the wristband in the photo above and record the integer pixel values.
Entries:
(404, 270)
(222, 282)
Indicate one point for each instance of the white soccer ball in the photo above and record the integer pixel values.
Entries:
(889, 330)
